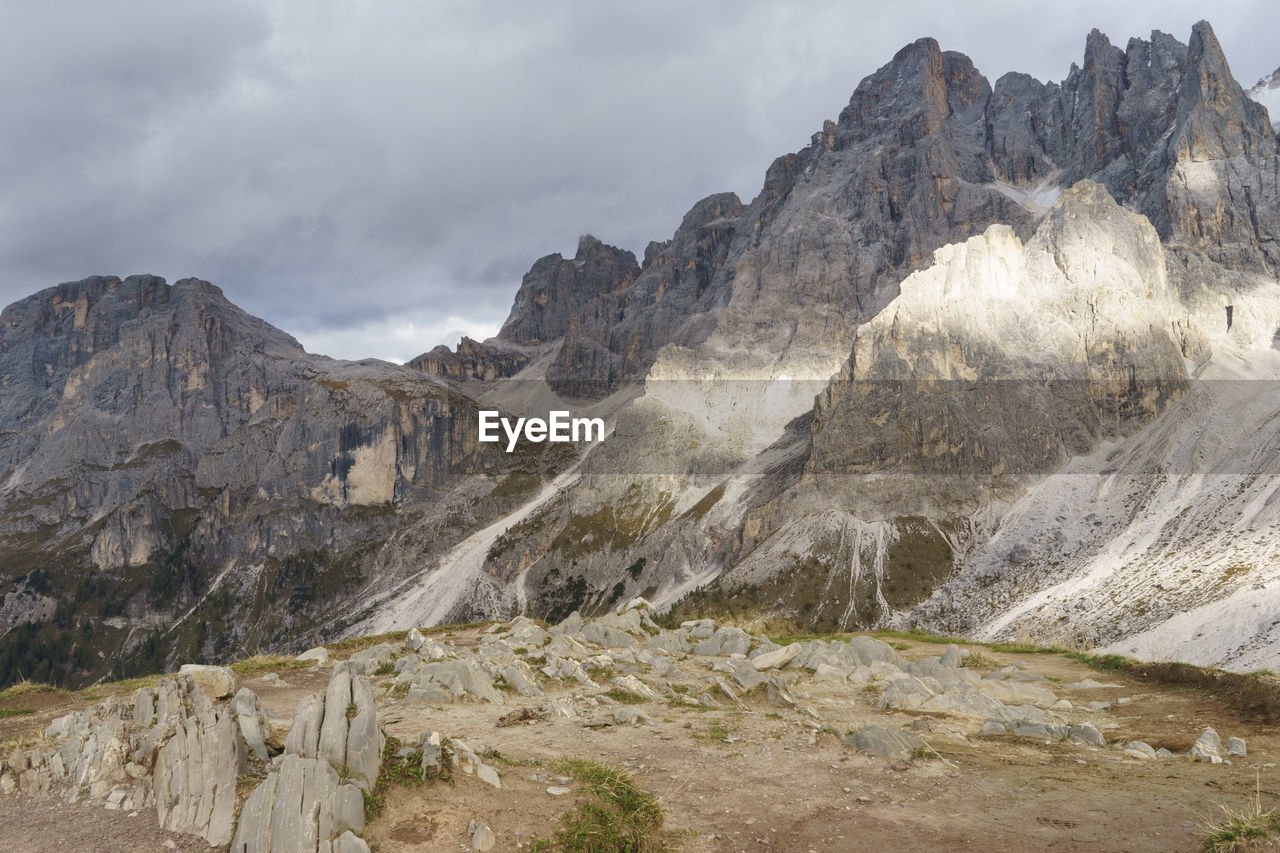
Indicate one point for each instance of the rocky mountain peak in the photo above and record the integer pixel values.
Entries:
(1216, 119)
(554, 289)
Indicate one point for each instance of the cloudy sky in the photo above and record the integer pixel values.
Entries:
(376, 177)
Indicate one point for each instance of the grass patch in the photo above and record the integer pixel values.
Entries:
(788, 639)
(23, 687)
(625, 697)
(614, 815)
(1254, 695)
(979, 661)
(356, 644)
(403, 770)
(259, 664)
(1249, 828)
(127, 685)
(921, 637)
(15, 712)
(600, 673)
(1027, 649)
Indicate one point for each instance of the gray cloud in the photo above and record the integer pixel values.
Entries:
(374, 177)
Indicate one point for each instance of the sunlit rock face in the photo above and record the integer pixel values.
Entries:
(999, 362)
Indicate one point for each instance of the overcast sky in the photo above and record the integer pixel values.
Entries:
(375, 177)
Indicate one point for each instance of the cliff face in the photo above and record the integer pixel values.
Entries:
(152, 436)
(839, 404)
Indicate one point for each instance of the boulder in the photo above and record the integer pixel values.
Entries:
(1140, 750)
(1207, 747)
(777, 657)
(252, 721)
(886, 743)
(319, 655)
(217, 681)
(1087, 733)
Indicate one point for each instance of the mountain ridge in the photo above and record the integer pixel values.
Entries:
(203, 466)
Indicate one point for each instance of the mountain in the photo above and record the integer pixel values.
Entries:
(995, 359)
(1267, 92)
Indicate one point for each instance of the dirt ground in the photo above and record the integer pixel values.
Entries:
(762, 778)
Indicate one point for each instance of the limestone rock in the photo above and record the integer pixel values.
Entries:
(886, 743)
(218, 682)
(320, 655)
(253, 722)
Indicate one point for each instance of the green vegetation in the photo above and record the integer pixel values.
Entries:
(258, 664)
(979, 661)
(15, 712)
(613, 814)
(356, 644)
(405, 771)
(1249, 828)
(625, 697)
(921, 637)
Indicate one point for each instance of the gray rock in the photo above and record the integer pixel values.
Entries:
(252, 721)
(332, 745)
(320, 655)
(952, 657)
(1207, 747)
(1035, 730)
(301, 805)
(373, 657)
(1236, 746)
(483, 839)
(144, 707)
(992, 727)
(196, 769)
(777, 657)
(885, 743)
(1087, 733)
(349, 842)
(1140, 750)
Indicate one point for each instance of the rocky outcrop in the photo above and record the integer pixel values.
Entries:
(555, 290)
(472, 361)
(312, 797)
(172, 748)
(158, 430)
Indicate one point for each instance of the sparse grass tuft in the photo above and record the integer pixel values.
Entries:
(625, 697)
(356, 644)
(979, 661)
(920, 637)
(405, 771)
(15, 712)
(1249, 828)
(259, 664)
(614, 816)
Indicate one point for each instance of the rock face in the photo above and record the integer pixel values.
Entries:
(160, 432)
(173, 748)
(306, 802)
(845, 401)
